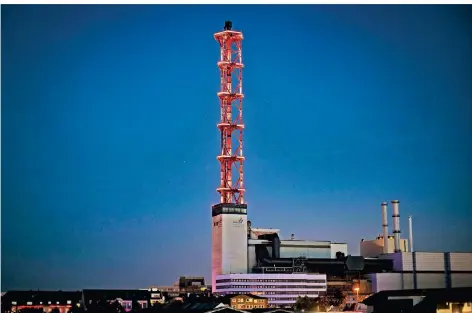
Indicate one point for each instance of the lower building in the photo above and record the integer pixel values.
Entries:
(281, 290)
(47, 301)
(126, 298)
(245, 301)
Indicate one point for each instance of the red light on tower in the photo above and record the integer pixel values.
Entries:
(231, 125)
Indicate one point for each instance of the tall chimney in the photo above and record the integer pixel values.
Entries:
(396, 225)
(411, 233)
(385, 226)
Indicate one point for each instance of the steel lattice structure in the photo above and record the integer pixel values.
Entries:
(231, 125)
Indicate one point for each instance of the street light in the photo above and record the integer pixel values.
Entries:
(357, 294)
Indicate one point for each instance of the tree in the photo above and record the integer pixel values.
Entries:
(338, 297)
(319, 304)
(302, 303)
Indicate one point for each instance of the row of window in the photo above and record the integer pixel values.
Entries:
(248, 307)
(271, 286)
(31, 303)
(241, 300)
(309, 281)
(234, 210)
(301, 293)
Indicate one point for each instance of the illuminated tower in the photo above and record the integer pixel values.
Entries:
(229, 232)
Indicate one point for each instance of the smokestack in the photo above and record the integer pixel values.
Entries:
(396, 225)
(411, 233)
(385, 226)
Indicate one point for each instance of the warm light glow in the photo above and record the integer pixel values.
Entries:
(356, 289)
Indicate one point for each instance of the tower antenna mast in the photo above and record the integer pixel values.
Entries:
(231, 124)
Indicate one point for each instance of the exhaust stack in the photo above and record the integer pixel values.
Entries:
(385, 227)
(410, 222)
(396, 225)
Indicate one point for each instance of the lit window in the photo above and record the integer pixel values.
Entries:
(69, 302)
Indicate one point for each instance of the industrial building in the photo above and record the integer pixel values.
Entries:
(236, 249)
(243, 254)
(423, 270)
(374, 248)
(410, 269)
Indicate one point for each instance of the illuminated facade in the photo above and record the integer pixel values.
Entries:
(45, 300)
(246, 301)
(280, 289)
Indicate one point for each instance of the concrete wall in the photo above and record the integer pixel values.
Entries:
(402, 281)
(461, 280)
(429, 261)
(385, 281)
(461, 261)
(430, 280)
(305, 248)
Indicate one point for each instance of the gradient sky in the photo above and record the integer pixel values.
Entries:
(109, 133)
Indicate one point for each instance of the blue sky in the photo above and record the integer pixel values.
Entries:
(109, 133)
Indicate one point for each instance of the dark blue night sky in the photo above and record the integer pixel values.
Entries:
(109, 137)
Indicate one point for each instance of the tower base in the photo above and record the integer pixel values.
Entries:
(229, 240)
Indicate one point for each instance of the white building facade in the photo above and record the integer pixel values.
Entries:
(229, 240)
(425, 270)
(281, 290)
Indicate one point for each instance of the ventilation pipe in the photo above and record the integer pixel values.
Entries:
(385, 227)
(410, 222)
(276, 247)
(396, 225)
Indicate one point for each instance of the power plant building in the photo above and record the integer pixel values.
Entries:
(247, 260)
(374, 248)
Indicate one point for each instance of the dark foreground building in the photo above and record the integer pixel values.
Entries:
(14, 301)
(420, 301)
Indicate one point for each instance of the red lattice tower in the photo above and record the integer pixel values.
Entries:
(231, 121)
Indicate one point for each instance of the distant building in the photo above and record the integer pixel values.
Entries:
(45, 300)
(245, 301)
(191, 284)
(156, 296)
(125, 297)
(374, 248)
